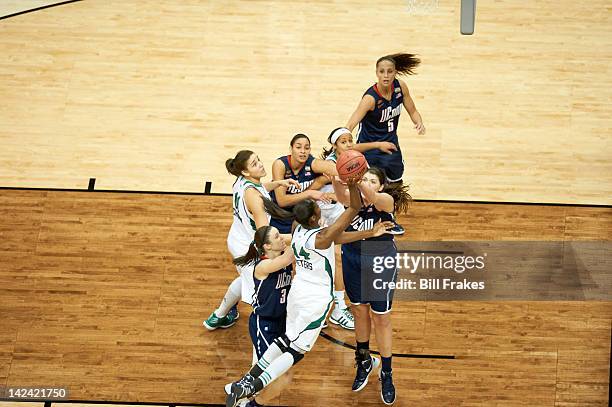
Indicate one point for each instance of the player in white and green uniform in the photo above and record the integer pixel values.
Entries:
(243, 230)
(249, 214)
(341, 140)
(312, 289)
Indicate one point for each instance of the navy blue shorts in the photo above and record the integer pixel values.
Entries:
(366, 277)
(283, 226)
(392, 164)
(263, 331)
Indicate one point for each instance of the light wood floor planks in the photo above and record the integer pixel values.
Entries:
(155, 95)
(105, 293)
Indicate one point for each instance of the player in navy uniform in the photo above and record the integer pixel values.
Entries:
(302, 167)
(379, 203)
(272, 277)
(341, 140)
(378, 115)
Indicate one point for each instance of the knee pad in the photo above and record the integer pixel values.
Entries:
(297, 355)
(283, 343)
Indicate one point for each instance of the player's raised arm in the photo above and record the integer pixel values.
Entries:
(327, 236)
(381, 200)
(379, 229)
(384, 146)
(324, 167)
(286, 183)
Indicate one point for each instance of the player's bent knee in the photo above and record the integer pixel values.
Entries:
(283, 343)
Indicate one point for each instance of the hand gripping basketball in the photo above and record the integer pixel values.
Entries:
(351, 164)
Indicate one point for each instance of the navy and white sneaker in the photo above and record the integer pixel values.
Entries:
(233, 313)
(364, 368)
(239, 390)
(397, 229)
(243, 402)
(387, 389)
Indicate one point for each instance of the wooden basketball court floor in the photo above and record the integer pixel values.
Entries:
(104, 292)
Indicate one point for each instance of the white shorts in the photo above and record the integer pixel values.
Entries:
(307, 308)
(331, 213)
(238, 249)
(248, 284)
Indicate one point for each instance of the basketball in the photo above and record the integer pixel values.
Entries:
(351, 164)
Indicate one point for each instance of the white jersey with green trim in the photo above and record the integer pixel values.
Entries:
(312, 266)
(328, 187)
(330, 211)
(243, 228)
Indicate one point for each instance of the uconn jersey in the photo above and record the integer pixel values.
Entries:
(363, 276)
(270, 299)
(367, 217)
(381, 124)
(267, 321)
(305, 177)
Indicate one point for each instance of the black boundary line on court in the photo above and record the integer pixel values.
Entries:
(61, 3)
(47, 403)
(208, 187)
(397, 355)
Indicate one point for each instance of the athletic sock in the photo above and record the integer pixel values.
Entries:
(363, 350)
(280, 365)
(266, 359)
(339, 299)
(231, 298)
(386, 364)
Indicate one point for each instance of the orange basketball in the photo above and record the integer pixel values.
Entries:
(351, 164)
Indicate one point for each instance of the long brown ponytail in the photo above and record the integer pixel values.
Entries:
(398, 191)
(404, 63)
(276, 211)
(256, 248)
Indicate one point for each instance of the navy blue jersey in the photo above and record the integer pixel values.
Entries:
(304, 177)
(367, 217)
(381, 123)
(270, 298)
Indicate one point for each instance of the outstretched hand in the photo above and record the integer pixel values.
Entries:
(387, 147)
(382, 227)
(354, 180)
(320, 196)
(288, 182)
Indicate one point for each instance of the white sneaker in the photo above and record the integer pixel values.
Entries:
(343, 317)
